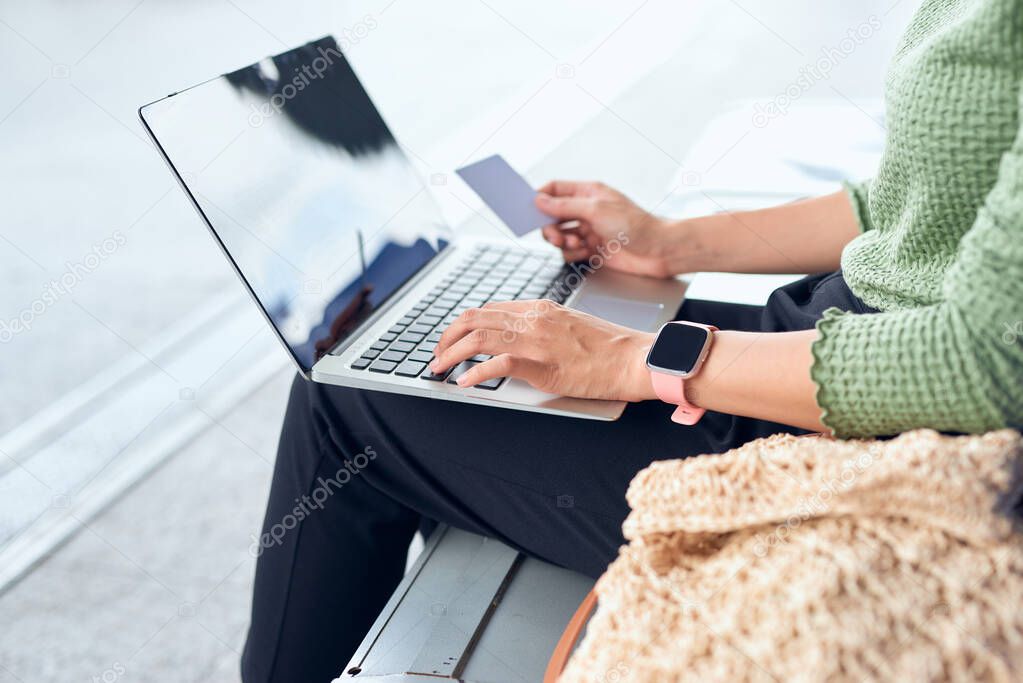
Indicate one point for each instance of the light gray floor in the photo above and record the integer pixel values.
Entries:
(157, 587)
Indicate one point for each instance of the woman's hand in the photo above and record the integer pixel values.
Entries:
(596, 219)
(555, 349)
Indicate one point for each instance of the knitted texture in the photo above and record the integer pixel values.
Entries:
(941, 252)
(810, 559)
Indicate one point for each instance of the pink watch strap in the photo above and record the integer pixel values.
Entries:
(672, 389)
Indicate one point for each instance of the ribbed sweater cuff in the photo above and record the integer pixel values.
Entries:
(858, 193)
(884, 373)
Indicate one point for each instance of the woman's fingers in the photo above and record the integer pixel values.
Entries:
(573, 255)
(496, 328)
(565, 208)
(553, 234)
(560, 188)
(576, 239)
(480, 340)
(469, 320)
(573, 242)
(503, 365)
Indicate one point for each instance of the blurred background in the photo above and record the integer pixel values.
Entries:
(143, 392)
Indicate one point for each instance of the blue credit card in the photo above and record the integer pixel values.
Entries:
(506, 193)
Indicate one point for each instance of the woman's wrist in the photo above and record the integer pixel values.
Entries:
(640, 386)
(682, 245)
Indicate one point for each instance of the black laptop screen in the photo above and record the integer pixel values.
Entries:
(306, 189)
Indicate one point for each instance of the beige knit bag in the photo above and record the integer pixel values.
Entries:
(807, 559)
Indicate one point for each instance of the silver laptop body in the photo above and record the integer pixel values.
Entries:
(335, 236)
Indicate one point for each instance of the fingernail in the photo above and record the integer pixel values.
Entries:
(543, 197)
(462, 381)
(433, 365)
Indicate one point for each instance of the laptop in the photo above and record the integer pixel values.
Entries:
(340, 244)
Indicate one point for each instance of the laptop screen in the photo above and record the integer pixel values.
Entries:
(306, 189)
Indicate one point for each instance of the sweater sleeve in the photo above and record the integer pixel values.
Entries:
(858, 193)
(953, 366)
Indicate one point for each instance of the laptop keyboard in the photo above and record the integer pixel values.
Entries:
(486, 274)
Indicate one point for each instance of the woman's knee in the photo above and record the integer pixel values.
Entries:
(317, 418)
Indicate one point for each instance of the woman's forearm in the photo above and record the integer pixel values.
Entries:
(802, 237)
(764, 375)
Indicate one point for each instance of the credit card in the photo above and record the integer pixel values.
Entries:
(506, 192)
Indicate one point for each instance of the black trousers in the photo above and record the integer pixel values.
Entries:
(357, 472)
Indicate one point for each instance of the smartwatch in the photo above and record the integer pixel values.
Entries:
(677, 354)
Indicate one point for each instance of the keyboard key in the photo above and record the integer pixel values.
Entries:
(404, 347)
(382, 366)
(430, 320)
(427, 346)
(388, 337)
(396, 329)
(464, 367)
(379, 345)
(489, 256)
(435, 378)
(480, 357)
(371, 354)
(420, 328)
(434, 336)
(410, 368)
(414, 337)
(393, 356)
(407, 320)
(460, 370)
(491, 384)
(360, 363)
(421, 356)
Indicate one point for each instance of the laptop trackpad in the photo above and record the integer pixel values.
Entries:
(639, 315)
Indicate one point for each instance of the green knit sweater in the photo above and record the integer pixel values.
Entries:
(941, 252)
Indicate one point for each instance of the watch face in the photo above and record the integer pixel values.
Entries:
(677, 348)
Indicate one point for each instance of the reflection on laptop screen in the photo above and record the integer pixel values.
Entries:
(306, 189)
